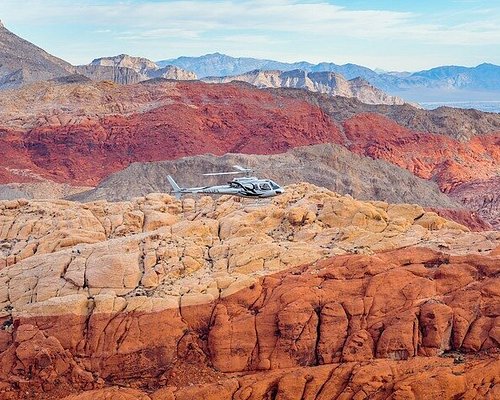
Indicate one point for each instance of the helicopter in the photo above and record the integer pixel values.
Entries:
(247, 186)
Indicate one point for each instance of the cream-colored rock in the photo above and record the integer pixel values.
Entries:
(108, 303)
(155, 219)
(77, 304)
(111, 266)
(134, 255)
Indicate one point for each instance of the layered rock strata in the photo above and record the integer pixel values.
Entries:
(65, 123)
(327, 165)
(81, 133)
(413, 379)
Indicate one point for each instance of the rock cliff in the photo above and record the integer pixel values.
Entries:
(144, 68)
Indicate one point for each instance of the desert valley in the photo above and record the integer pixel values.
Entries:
(376, 274)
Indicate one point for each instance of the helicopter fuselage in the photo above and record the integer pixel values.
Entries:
(250, 187)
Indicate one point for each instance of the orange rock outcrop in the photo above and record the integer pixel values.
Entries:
(431, 156)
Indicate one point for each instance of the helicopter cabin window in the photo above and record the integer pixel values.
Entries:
(273, 185)
(264, 186)
(233, 185)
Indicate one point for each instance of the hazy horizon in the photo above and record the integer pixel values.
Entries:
(393, 36)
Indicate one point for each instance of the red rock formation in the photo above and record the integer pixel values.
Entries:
(105, 128)
(202, 119)
(429, 156)
(470, 219)
(406, 304)
(483, 196)
(416, 379)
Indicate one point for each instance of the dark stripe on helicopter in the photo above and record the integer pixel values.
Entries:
(248, 190)
(250, 194)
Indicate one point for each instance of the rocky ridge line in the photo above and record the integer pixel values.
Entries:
(329, 83)
(416, 378)
(110, 126)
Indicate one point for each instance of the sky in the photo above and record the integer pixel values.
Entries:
(402, 35)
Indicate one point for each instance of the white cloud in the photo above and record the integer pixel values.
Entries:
(201, 17)
(257, 26)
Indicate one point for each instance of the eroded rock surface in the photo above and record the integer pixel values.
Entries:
(414, 379)
(159, 294)
(481, 196)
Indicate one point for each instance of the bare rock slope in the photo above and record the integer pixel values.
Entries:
(460, 124)
(144, 68)
(81, 133)
(22, 62)
(328, 165)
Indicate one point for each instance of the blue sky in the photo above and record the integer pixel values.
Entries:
(388, 34)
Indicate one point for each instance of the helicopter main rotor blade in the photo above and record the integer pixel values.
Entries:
(222, 173)
(242, 169)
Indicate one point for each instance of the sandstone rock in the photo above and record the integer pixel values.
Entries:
(232, 288)
(436, 322)
(414, 379)
(332, 334)
(111, 393)
(107, 269)
(434, 145)
(359, 346)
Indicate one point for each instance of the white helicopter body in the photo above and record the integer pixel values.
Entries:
(249, 186)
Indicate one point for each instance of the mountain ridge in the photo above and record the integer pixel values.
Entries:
(330, 83)
(327, 165)
(126, 69)
(145, 68)
(103, 127)
(466, 80)
(22, 62)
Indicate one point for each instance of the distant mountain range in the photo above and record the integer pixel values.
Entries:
(451, 83)
(146, 69)
(22, 62)
(218, 64)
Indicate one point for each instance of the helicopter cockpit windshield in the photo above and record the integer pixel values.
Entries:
(274, 185)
